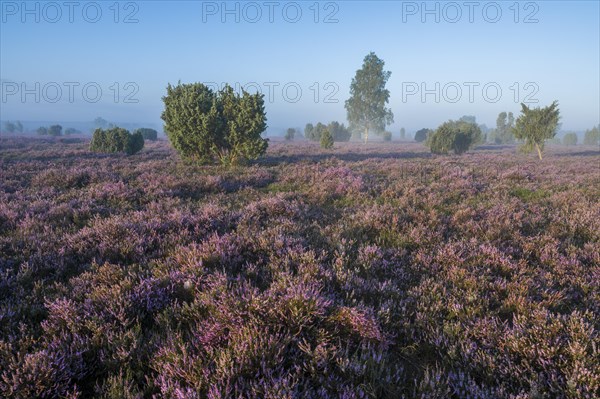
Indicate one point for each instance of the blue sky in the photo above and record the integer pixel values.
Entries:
(478, 58)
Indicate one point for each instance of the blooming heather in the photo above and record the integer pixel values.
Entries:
(380, 271)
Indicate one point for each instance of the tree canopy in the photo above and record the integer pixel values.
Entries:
(592, 136)
(536, 125)
(503, 133)
(366, 107)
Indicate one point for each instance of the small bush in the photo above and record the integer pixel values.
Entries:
(457, 136)
(42, 131)
(116, 140)
(55, 130)
(387, 136)
(326, 140)
(147, 133)
(422, 135)
(290, 133)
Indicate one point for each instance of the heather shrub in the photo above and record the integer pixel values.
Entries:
(355, 274)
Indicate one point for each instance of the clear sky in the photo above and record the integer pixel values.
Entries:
(114, 59)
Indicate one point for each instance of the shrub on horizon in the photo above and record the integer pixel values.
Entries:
(592, 136)
(570, 139)
(55, 130)
(456, 136)
(338, 131)
(116, 140)
(422, 135)
(290, 133)
(69, 131)
(147, 133)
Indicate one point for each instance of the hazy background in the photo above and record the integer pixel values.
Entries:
(132, 55)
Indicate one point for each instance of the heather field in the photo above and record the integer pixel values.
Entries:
(377, 271)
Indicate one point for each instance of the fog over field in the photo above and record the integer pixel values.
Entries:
(325, 199)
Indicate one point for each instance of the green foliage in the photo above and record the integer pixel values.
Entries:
(317, 132)
(457, 136)
(503, 133)
(135, 143)
(326, 139)
(42, 131)
(570, 139)
(206, 126)
(422, 135)
(537, 125)
(442, 140)
(147, 133)
(339, 131)
(528, 195)
(592, 136)
(290, 133)
(116, 140)
(55, 130)
(402, 133)
(308, 131)
(387, 136)
(368, 97)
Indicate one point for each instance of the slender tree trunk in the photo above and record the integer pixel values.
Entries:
(366, 135)
(537, 147)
